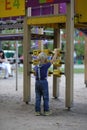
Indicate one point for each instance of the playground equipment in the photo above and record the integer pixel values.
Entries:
(35, 52)
(56, 21)
(12, 8)
(58, 63)
(56, 14)
(57, 73)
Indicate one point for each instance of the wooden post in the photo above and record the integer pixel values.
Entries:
(40, 42)
(69, 54)
(85, 60)
(56, 80)
(27, 58)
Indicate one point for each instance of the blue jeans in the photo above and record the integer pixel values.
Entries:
(41, 89)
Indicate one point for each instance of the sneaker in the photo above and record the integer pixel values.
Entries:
(10, 75)
(37, 113)
(47, 113)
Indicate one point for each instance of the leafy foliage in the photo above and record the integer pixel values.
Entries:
(79, 48)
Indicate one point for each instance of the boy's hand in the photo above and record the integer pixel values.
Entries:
(56, 50)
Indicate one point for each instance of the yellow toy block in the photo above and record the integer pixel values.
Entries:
(36, 52)
(58, 63)
(32, 72)
(35, 62)
(49, 73)
(57, 73)
(47, 51)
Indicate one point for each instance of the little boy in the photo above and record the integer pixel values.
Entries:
(41, 83)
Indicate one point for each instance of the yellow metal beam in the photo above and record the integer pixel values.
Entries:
(46, 20)
(81, 10)
(57, 21)
(81, 25)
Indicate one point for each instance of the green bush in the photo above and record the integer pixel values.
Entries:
(79, 48)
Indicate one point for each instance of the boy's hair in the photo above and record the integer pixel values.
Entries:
(42, 57)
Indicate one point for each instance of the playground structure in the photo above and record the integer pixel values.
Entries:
(56, 14)
(58, 63)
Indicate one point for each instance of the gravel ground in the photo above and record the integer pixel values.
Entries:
(16, 115)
